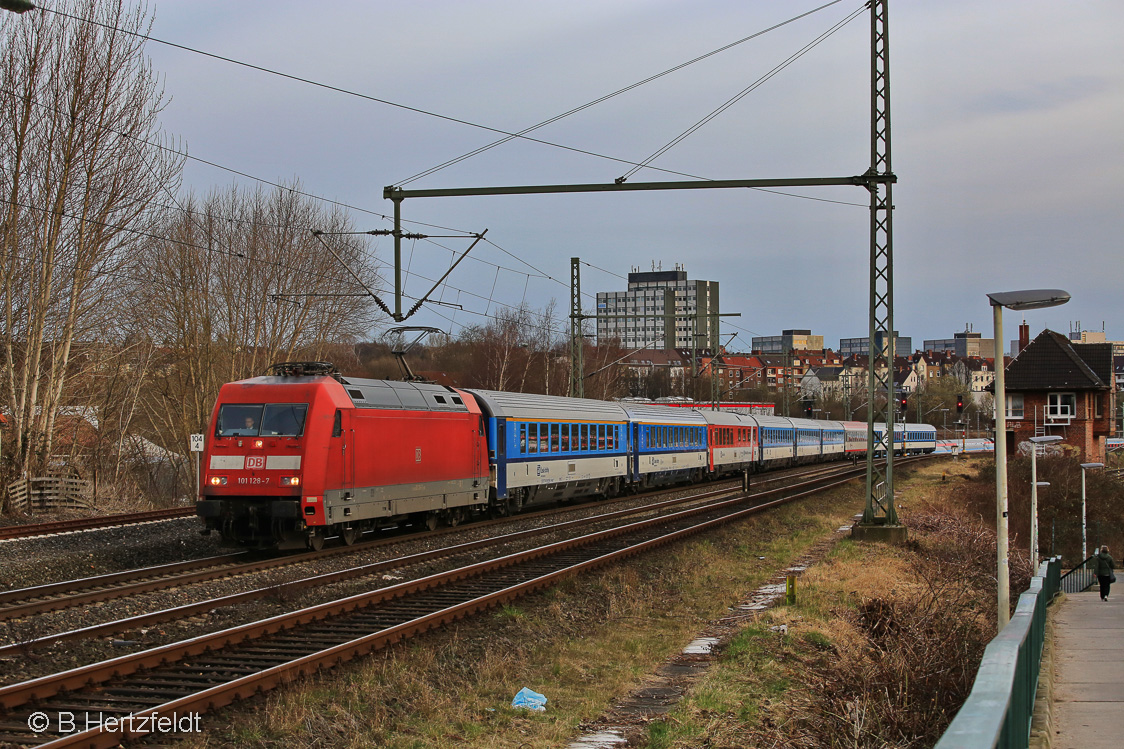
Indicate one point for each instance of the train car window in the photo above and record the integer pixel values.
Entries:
(284, 419)
(523, 438)
(241, 419)
(611, 439)
(565, 440)
(533, 438)
(337, 424)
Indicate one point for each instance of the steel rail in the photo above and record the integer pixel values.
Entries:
(66, 594)
(107, 521)
(222, 694)
(327, 578)
(192, 609)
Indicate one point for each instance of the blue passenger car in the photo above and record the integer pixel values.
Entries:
(546, 447)
(669, 444)
(776, 437)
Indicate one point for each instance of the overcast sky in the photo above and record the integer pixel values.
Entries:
(1008, 144)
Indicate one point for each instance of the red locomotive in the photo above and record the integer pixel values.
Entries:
(301, 454)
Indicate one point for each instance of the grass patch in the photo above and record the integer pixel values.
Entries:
(880, 649)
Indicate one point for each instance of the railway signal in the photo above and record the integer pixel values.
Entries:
(960, 404)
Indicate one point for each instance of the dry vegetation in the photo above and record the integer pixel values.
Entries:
(581, 644)
(879, 651)
(881, 648)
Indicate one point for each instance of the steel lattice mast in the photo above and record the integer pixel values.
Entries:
(880, 510)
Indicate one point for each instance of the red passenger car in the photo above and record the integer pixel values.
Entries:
(304, 454)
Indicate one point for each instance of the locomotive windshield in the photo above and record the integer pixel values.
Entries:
(253, 419)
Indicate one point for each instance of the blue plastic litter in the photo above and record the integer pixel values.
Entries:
(529, 700)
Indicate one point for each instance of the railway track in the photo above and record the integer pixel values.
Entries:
(82, 524)
(42, 599)
(181, 680)
(55, 596)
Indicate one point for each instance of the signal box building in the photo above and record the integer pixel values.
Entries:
(1058, 387)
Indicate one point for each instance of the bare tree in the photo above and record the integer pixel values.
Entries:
(238, 282)
(80, 167)
(514, 350)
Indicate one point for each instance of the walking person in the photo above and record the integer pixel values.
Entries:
(1105, 565)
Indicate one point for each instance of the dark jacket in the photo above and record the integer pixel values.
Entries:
(1105, 564)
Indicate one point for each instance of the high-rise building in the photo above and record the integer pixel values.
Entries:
(903, 346)
(662, 310)
(788, 340)
(964, 344)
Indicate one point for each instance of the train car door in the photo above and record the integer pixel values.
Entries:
(479, 446)
(341, 451)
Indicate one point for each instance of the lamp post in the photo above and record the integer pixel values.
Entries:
(1084, 534)
(1034, 523)
(1016, 300)
(1034, 484)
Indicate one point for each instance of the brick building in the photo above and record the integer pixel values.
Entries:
(1058, 387)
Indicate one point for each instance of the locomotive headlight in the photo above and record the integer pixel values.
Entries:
(290, 481)
(259, 443)
(218, 481)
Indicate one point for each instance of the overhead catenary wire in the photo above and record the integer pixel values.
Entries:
(743, 93)
(606, 97)
(382, 216)
(348, 92)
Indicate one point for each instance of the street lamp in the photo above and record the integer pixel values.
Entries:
(1034, 484)
(1085, 467)
(17, 6)
(1016, 300)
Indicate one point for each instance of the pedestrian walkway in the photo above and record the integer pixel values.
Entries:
(1089, 671)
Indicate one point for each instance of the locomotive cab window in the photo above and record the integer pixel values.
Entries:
(271, 419)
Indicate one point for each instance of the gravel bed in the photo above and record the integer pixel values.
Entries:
(76, 554)
(174, 540)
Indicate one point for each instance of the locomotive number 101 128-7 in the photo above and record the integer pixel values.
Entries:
(253, 480)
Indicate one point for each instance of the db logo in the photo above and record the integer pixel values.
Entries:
(255, 462)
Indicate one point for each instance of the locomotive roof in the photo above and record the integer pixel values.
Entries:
(416, 396)
(533, 407)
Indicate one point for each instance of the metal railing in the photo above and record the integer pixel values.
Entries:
(1000, 706)
(1081, 577)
